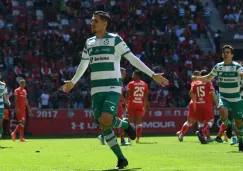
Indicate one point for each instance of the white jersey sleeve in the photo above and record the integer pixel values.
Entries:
(121, 47)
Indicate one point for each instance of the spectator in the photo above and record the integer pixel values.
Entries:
(45, 100)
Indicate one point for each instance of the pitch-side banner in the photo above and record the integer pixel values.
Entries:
(71, 122)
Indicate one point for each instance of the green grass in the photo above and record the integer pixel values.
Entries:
(155, 154)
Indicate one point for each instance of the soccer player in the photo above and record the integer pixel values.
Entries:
(104, 52)
(235, 133)
(21, 102)
(3, 97)
(192, 117)
(204, 93)
(120, 113)
(137, 100)
(229, 75)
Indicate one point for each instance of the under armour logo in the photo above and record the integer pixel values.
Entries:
(74, 125)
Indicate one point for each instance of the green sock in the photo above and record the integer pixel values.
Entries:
(1, 130)
(112, 142)
(226, 122)
(118, 123)
(240, 132)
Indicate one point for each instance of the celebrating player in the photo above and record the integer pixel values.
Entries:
(3, 97)
(120, 113)
(204, 93)
(137, 98)
(192, 117)
(104, 52)
(21, 102)
(229, 75)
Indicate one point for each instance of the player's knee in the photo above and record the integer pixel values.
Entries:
(223, 111)
(238, 123)
(106, 119)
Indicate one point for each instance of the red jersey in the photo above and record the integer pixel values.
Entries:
(202, 92)
(21, 97)
(137, 91)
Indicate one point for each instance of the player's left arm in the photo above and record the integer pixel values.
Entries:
(145, 99)
(240, 71)
(5, 95)
(123, 50)
(213, 94)
(28, 106)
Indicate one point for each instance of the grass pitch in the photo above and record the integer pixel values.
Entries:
(86, 154)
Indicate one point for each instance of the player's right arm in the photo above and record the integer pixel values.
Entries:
(69, 84)
(206, 78)
(123, 50)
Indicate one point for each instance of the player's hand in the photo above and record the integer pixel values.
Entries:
(8, 103)
(17, 111)
(31, 114)
(67, 86)
(160, 79)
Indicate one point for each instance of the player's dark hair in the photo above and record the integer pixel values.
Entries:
(228, 47)
(122, 69)
(138, 73)
(103, 16)
(204, 72)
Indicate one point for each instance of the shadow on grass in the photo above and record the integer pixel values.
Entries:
(131, 169)
(240, 152)
(4, 147)
(148, 143)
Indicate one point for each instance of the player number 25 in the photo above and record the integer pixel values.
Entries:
(139, 91)
(201, 91)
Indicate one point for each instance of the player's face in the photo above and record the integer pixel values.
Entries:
(97, 24)
(22, 84)
(134, 76)
(227, 55)
(123, 74)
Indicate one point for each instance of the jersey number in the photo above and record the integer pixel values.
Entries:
(200, 91)
(139, 91)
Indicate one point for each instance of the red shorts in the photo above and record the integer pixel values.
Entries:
(204, 113)
(120, 111)
(135, 112)
(191, 111)
(21, 117)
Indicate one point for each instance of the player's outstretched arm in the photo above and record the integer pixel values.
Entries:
(157, 77)
(69, 84)
(205, 78)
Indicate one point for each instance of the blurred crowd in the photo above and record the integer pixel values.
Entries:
(231, 13)
(41, 41)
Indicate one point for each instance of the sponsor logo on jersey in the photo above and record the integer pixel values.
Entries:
(227, 79)
(101, 58)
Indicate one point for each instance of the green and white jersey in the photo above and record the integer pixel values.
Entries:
(104, 55)
(228, 80)
(3, 90)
